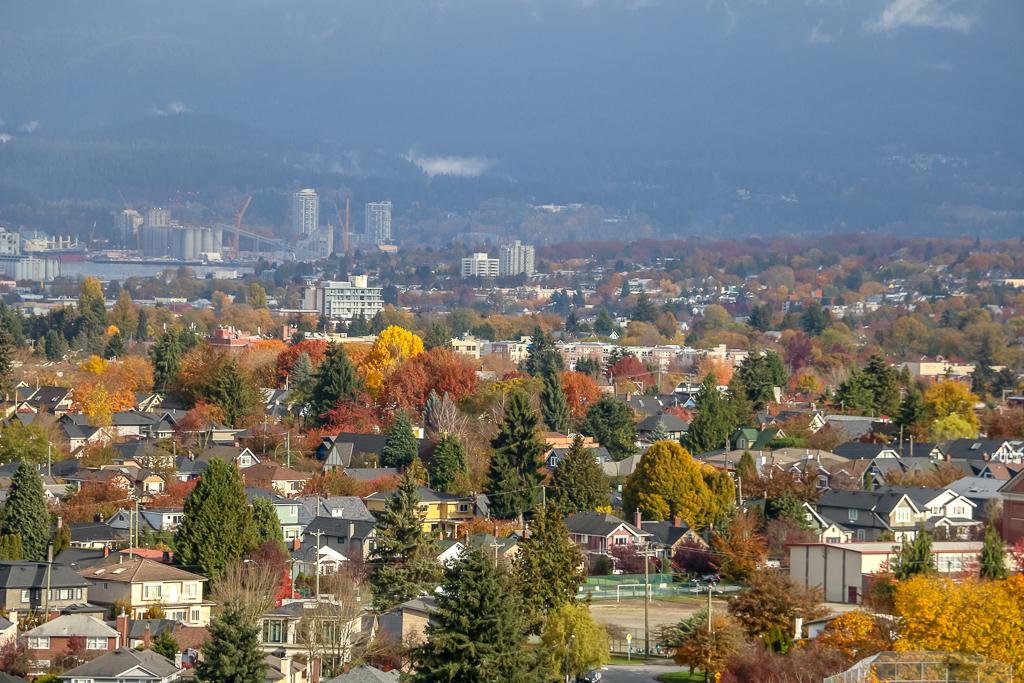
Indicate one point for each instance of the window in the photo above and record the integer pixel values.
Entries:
(63, 594)
(26, 596)
(78, 594)
(743, 443)
(190, 590)
(291, 533)
(39, 643)
(293, 510)
(463, 507)
(860, 535)
(245, 460)
(584, 538)
(81, 680)
(95, 643)
(195, 616)
(106, 585)
(177, 615)
(622, 540)
(902, 515)
(958, 510)
(272, 632)
(153, 591)
(853, 515)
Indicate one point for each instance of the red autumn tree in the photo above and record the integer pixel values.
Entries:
(438, 370)
(173, 497)
(191, 430)
(629, 368)
(314, 348)
(357, 416)
(95, 498)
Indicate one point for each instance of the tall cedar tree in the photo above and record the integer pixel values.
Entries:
(25, 512)
(993, 555)
(885, 386)
(403, 557)
(217, 526)
(740, 409)
(54, 345)
(448, 460)
(167, 355)
(437, 336)
(747, 468)
(549, 567)
(760, 373)
(116, 348)
(513, 476)
(578, 484)
(912, 409)
(141, 328)
(234, 393)
(543, 358)
(165, 645)
(268, 524)
(712, 426)
(478, 629)
(761, 318)
(611, 422)
(232, 655)
(431, 415)
(11, 548)
(6, 363)
(556, 410)
(914, 557)
(645, 311)
(401, 446)
(302, 372)
(604, 322)
(334, 380)
(856, 393)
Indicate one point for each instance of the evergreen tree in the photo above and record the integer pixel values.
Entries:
(11, 549)
(905, 377)
(884, 383)
(589, 366)
(513, 477)
(758, 377)
(761, 318)
(54, 345)
(401, 447)
(578, 483)
(815, 319)
(604, 322)
(993, 555)
(334, 380)
(165, 645)
(166, 355)
(6, 364)
(855, 393)
(554, 406)
(438, 336)
(713, 423)
(660, 432)
(116, 348)
(217, 526)
(549, 566)
(747, 468)
(359, 327)
(914, 557)
(257, 297)
(302, 372)
(611, 423)
(61, 540)
(25, 514)
(740, 408)
(912, 409)
(448, 460)
(141, 327)
(542, 358)
(431, 415)
(232, 654)
(234, 393)
(644, 311)
(266, 521)
(478, 629)
(403, 561)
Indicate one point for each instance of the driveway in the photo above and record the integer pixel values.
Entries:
(636, 674)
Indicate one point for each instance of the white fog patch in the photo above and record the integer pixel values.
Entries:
(464, 166)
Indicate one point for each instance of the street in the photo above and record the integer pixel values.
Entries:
(635, 673)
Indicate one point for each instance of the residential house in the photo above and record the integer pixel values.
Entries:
(364, 673)
(501, 549)
(350, 537)
(943, 509)
(673, 426)
(870, 513)
(348, 449)
(981, 491)
(342, 624)
(346, 507)
(1013, 508)
(444, 513)
(621, 468)
(51, 639)
(8, 634)
(751, 439)
(141, 632)
(990, 450)
(284, 480)
(671, 535)
(125, 665)
(143, 583)
(242, 457)
(557, 455)
(598, 532)
(34, 586)
(311, 559)
(95, 534)
(658, 404)
(825, 529)
(815, 419)
(286, 508)
(163, 519)
(407, 623)
(53, 400)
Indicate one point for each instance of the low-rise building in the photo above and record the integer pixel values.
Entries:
(125, 665)
(443, 512)
(142, 583)
(34, 586)
(343, 300)
(52, 639)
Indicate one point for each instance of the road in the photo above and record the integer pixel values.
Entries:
(636, 674)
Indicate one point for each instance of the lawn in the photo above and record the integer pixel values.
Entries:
(681, 677)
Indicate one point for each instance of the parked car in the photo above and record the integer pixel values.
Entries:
(591, 676)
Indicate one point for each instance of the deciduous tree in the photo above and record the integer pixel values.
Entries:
(589, 649)
(774, 601)
(666, 483)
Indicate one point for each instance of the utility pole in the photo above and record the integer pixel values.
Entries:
(131, 545)
(647, 552)
(318, 534)
(288, 447)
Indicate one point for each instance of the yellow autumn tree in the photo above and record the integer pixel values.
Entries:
(857, 635)
(393, 347)
(951, 398)
(669, 482)
(94, 401)
(95, 365)
(971, 616)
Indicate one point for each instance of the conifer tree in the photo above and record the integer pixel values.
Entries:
(11, 549)
(761, 318)
(740, 408)
(217, 526)
(232, 654)
(141, 327)
(401, 447)
(884, 383)
(166, 361)
(25, 514)
(92, 309)
(53, 345)
(578, 484)
(604, 322)
(711, 427)
(993, 555)
(660, 432)
(912, 409)
(165, 645)
(556, 410)
(855, 393)
(403, 561)
(542, 358)
(431, 423)
(513, 475)
(359, 327)
(334, 380)
(478, 629)
(302, 372)
(448, 460)
(746, 468)
(914, 557)
(116, 348)
(234, 393)
(611, 423)
(268, 524)
(549, 567)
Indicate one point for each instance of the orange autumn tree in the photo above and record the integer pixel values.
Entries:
(392, 348)
(741, 551)
(580, 393)
(314, 348)
(439, 370)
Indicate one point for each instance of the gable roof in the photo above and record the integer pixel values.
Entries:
(921, 495)
(667, 420)
(273, 472)
(226, 453)
(337, 527)
(599, 524)
(666, 533)
(875, 501)
(977, 449)
(364, 443)
(122, 660)
(349, 507)
(26, 574)
(73, 625)
(139, 570)
(426, 496)
(365, 673)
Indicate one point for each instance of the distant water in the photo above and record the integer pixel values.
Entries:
(123, 270)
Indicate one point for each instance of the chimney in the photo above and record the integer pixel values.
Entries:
(314, 671)
(286, 667)
(12, 616)
(296, 543)
(147, 637)
(351, 532)
(122, 628)
(799, 630)
(60, 522)
(344, 669)
(677, 521)
(177, 660)
(98, 518)
(106, 550)
(636, 519)
(166, 559)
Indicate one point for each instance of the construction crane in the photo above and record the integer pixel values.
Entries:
(238, 230)
(344, 226)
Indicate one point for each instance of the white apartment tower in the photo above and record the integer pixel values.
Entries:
(158, 218)
(305, 212)
(478, 265)
(378, 223)
(516, 259)
(127, 224)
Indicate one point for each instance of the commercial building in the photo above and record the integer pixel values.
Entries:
(10, 243)
(305, 212)
(183, 243)
(127, 224)
(479, 265)
(378, 223)
(158, 218)
(343, 300)
(516, 259)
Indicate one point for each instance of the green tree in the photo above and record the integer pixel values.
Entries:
(165, 645)
(402, 558)
(589, 366)
(166, 354)
(447, 461)
(554, 406)
(746, 468)
(234, 393)
(25, 514)
(855, 393)
(217, 526)
(549, 567)
(668, 482)
(740, 408)
(611, 422)
(815, 319)
(116, 348)
(542, 358)
(514, 477)
(401, 446)
(914, 557)
(334, 380)
(92, 309)
(644, 311)
(761, 318)
(142, 326)
(268, 524)
(589, 649)
(993, 555)
(359, 327)
(478, 629)
(787, 506)
(61, 540)
(6, 363)
(912, 409)
(884, 383)
(11, 549)
(257, 297)
(124, 316)
(578, 483)
(604, 322)
(437, 336)
(713, 423)
(302, 372)
(54, 345)
(232, 654)
(760, 373)
(25, 442)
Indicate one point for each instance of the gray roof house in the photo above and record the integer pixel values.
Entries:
(23, 584)
(125, 665)
(364, 673)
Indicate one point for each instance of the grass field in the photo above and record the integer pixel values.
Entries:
(681, 677)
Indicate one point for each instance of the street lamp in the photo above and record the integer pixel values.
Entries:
(567, 646)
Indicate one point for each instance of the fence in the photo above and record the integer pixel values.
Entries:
(627, 586)
(926, 667)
